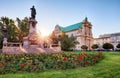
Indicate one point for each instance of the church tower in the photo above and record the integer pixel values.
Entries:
(88, 37)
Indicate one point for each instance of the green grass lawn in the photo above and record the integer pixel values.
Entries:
(107, 68)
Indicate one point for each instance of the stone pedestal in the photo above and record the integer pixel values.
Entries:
(25, 42)
(33, 23)
(5, 42)
(33, 36)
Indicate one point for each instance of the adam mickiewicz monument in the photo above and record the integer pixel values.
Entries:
(33, 37)
(31, 43)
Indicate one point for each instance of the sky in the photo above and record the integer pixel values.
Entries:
(103, 14)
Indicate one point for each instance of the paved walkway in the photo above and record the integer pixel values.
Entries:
(18, 50)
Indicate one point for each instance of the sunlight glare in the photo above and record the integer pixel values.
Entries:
(44, 33)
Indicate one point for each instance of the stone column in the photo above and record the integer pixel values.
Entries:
(33, 23)
(25, 42)
(5, 42)
(59, 45)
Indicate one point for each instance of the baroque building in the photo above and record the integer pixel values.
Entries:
(82, 31)
(113, 38)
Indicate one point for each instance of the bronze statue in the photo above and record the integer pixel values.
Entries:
(33, 12)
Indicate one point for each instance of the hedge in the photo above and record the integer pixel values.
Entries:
(41, 62)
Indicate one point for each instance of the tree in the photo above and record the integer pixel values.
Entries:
(108, 46)
(1, 34)
(1, 40)
(84, 47)
(67, 43)
(118, 46)
(9, 29)
(5, 23)
(12, 31)
(1, 25)
(23, 28)
(54, 38)
(95, 46)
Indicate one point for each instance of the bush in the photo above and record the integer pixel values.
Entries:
(84, 47)
(118, 45)
(108, 46)
(94, 46)
(42, 62)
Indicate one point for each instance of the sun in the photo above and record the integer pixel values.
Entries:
(44, 33)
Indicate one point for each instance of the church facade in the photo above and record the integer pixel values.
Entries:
(82, 31)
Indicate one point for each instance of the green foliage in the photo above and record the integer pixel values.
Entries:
(108, 46)
(1, 43)
(95, 46)
(67, 43)
(84, 47)
(42, 62)
(23, 28)
(1, 36)
(118, 45)
(109, 67)
(14, 32)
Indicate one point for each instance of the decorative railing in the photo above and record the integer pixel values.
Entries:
(10, 44)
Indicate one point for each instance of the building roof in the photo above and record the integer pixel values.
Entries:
(109, 35)
(114, 34)
(71, 27)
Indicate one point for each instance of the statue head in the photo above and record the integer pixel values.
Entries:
(33, 6)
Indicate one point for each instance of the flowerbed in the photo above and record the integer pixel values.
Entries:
(42, 62)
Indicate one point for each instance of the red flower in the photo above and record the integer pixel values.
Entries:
(98, 55)
(4, 64)
(65, 58)
(84, 54)
(80, 57)
(85, 63)
(22, 65)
